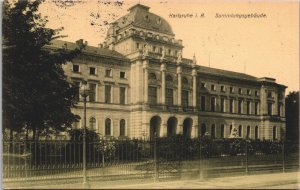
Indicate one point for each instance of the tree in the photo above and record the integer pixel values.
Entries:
(36, 94)
(292, 116)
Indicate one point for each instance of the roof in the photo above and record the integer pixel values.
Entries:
(225, 73)
(88, 49)
(139, 16)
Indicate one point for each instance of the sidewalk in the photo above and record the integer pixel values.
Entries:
(275, 180)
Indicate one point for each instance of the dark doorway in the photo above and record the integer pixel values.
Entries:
(155, 123)
(187, 127)
(171, 126)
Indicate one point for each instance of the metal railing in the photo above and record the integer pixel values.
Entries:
(157, 159)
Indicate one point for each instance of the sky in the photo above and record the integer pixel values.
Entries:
(263, 47)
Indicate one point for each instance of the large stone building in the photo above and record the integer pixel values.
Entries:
(141, 86)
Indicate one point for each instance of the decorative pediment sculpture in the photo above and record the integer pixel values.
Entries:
(163, 54)
(146, 50)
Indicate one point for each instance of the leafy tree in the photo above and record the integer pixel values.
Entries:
(292, 116)
(36, 94)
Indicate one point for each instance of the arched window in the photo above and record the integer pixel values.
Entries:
(222, 131)
(122, 127)
(213, 131)
(185, 80)
(203, 129)
(169, 78)
(240, 131)
(108, 127)
(248, 132)
(92, 123)
(152, 76)
(274, 133)
(256, 132)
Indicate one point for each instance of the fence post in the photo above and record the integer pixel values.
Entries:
(283, 157)
(246, 154)
(200, 162)
(155, 160)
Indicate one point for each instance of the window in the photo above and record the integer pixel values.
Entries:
(169, 52)
(202, 106)
(202, 85)
(108, 73)
(256, 108)
(185, 98)
(169, 78)
(213, 131)
(256, 133)
(122, 95)
(213, 87)
(152, 76)
(107, 94)
(231, 105)
(269, 94)
(122, 127)
(256, 93)
(248, 132)
(240, 102)
(92, 70)
(213, 104)
(185, 80)
(230, 129)
(279, 109)
(222, 88)
(76, 68)
(270, 105)
(203, 129)
(154, 48)
(240, 91)
(169, 97)
(222, 131)
(108, 127)
(274, 133)
(122, 75)
(248, 107)
(222, 105)
(92, 123)
(137, 46)
(231, 89)
(248, 92)
(152, 95)
(240, 131)
(92, 93)
(77, 86)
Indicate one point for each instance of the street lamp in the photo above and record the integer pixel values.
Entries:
(84, 92)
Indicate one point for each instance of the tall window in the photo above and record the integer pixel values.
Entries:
(222, 105)
(185, 98)
(222, 131)
(240, 102)
(270, 105)
(77, 86)
(202, 103)
(122, 95)
(240, 131)
(107, 94)
(274, 133)
(256, 133)
(152, 95)
(222, 88)
(213, 87)
(213, 131)
(122, 127)
(279, 109)
(203, 129)
(169, 97)
(231, 105)
(256, 108)
(240, 91)
(256, 93)
(108, 73)
(92, 94)
(230, 129)
(213, 104)
(92, 123)
(92, 70)
(248, 132)
(248, 107)
(122, 74)
(108, 127)
(76, 68)
(231, 89)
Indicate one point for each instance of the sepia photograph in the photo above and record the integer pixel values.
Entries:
(150, 94)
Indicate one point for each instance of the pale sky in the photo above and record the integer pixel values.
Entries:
(257, 46)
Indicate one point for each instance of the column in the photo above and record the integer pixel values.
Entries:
(145, 67)
(163, 130)
(179, 128)
(179, 71)
(194, 74)
(163, 83)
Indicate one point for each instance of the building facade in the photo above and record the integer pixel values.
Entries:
(141, 86)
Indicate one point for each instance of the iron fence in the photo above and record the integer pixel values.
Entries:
(158, 159)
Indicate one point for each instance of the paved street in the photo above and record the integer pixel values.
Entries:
(268, 181)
